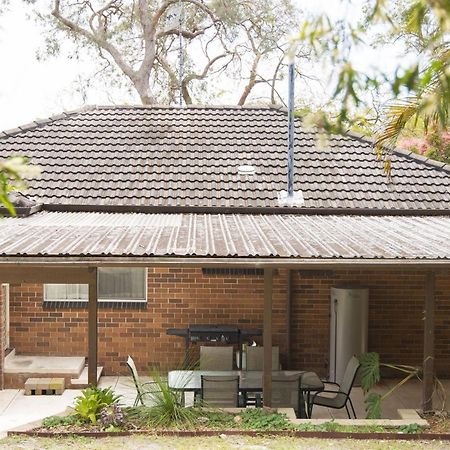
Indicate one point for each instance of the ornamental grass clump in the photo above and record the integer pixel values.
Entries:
(165, 407)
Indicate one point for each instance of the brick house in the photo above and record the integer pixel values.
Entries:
(142, 222)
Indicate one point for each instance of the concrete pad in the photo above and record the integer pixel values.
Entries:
(387, 423)
(6, 397)
(123, 386)
(408, 414)
(24, 409)
(69, 365)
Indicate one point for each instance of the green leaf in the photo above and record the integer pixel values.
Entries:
(369, 370)
(373, 406)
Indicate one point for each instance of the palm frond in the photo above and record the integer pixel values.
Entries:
(430, 104)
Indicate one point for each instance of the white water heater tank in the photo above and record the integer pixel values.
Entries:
(348, 328)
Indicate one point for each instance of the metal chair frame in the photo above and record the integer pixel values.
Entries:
(141, 392)
(311, 403)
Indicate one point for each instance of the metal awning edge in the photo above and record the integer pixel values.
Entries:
(303, 263)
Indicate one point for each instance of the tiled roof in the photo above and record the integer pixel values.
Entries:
(78, 234)
(189, 157)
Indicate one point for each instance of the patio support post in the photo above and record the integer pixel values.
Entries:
(92, 327)
(288, 319)
(428, 344)
(267, 337)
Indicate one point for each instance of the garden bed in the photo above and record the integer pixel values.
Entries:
(98, 413)
(209, 422)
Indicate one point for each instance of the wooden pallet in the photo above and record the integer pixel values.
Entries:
(44, 386)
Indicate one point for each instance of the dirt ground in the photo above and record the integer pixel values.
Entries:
(215, 443)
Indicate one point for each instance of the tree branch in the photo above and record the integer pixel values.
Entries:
(93, 37)
(252, 80)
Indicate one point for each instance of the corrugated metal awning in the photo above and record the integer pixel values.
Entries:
(79, 234)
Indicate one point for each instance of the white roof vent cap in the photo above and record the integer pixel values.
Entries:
(246, 169)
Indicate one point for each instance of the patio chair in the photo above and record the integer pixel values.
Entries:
(342, 396)
(216, 358)
(220, 391)
(286, 392)
(143, 389)
(255, 358)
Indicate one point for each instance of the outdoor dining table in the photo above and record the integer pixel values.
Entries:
(249, 381)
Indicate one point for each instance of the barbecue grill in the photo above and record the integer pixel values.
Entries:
(224, 334)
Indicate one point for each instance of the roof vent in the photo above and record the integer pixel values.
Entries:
(246, 170)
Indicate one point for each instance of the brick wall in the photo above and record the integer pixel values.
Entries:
(180, 297)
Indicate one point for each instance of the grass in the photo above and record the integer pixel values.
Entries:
(210, 443)
(150, 418)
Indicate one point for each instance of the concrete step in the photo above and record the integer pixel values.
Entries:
(82, 381)
(18, 368)
(64, 365)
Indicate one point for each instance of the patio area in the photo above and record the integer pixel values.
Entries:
(406, 397)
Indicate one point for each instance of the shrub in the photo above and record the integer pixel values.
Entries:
(260, 419)
(92, 400)
(57, 421)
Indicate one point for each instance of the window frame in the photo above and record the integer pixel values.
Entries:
(100, 299)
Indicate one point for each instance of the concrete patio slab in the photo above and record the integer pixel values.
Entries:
(18, 409)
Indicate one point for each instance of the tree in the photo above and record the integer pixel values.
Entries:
(420, 91)
(13, 175)
(138, 41)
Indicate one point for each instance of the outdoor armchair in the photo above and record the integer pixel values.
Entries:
(286, 392)
(143, 389)
(216, 358)
(342, 396)
(220, 391)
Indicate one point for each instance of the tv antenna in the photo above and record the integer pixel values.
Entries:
(174, 20)
(180, 53)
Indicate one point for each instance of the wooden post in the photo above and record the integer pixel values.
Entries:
(267, 337)
(2, 331)
(288, 319)
(92, 327)
(428, 343)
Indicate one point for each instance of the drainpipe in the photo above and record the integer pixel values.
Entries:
(290, 197)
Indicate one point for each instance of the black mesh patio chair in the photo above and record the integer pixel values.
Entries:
(144, 390)
(341, 396)
(220, 391)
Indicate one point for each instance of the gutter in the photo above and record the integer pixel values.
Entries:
(221, 262)
(242, 210)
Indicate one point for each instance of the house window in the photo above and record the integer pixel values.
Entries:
(116, 287)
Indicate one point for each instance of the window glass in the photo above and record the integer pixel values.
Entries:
(121, 284)
(114, 284)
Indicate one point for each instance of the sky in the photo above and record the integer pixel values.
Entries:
(31, 89)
